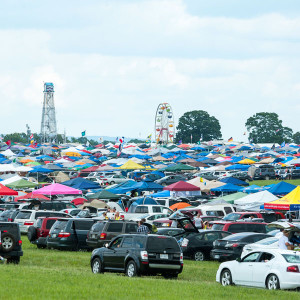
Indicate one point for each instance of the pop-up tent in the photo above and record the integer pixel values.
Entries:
(22, 184)
(234, 181)
(256, 198)
(57, 189)
(81, 184)
(5, 191)
(131, 165)
(105, 194)
(227, 188)
(281, 188)
(182, 188)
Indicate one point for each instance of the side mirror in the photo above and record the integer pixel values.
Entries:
(238, 259)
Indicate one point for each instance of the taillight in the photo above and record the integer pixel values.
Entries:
(232, 245)
(103, 236)
(293, 269)
(181, 258)
(28, 223)
(144, 255)
(20, 242)
(10, 220)
(64, 234)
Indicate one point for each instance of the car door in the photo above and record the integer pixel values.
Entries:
(261, 268)
(122, 251)
(208, 239)
(110, 255)
(243, 274)
(81, 229)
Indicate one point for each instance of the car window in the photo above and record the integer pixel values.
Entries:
(152, 217)
(157, 209)
(127, 242)
(211, 236)
(217, 227)
(50, 223)
(235, 228)
(115, 227)
(98, 226)
(23, 215)
(39, 223)
(292, 258)
(83, 225)
(139, 242)
(116, 243)
(251, 257)
(141, 209)
(257, 238)
(131, 228)
(228, 209)
(261, 228)
(60, 225)
(224, 234)
(266, 257)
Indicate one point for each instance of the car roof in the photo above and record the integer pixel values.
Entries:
(232, 222)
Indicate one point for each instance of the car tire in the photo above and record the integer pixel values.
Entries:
(112, 182)
(97, 266)
(131, 269)
(13, 260)
(199, 256)
(267, 178)
(8, 242)
(41, 246)
(226, 278)
(272, 282)
(32, 234)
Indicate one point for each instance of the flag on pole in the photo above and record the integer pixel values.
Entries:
(31, 136)
(119, 151)
(83, 133)
(230, 139)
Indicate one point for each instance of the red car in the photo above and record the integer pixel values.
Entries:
(237, 227)
(38, 234)
(267, 217)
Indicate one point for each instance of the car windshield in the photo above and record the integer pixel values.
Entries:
(267, 241)
(23, 215)
(232, 217)
(217, 227)
(177, 214)
(292, 258)
(161, 243)
(60, 225)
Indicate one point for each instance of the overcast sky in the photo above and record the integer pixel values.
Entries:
(113, 61)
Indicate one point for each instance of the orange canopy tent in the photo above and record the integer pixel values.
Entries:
(179, 205)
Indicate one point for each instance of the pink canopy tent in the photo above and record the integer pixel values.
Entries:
(57, 189)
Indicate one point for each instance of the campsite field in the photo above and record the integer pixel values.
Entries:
(51, 274)
(267, 182)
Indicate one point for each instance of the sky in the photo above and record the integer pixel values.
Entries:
(113, 62)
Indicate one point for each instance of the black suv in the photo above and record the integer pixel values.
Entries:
(138, 254)
(103, 232)
(69, 234)
(11, 243)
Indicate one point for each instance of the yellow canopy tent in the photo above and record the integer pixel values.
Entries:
(131, 165)
(246, 161)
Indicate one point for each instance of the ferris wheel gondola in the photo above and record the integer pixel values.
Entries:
(164, 124)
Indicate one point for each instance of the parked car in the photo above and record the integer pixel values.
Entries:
(267, 217)
(8, 215)
(170, 231)
(237, 227)
(262, 172)
(231, 247)
(268, 243)
(271, 269)
(151, 218)
(104, 231)
(139, 254)
(26, 218)
(167, 180)
(38, 233)
(115, 178)
(49, 205)
(150, 177)
(136, 175)
(242, 175)
(72, 211)
(11, 243)
(69, 234)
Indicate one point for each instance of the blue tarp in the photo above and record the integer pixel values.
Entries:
(40, 169)
(238, 167)
(227, 188)
(282, 188)
(81, 184)
(162, 194)
(234, 181)
(253, 189)
(137, 186)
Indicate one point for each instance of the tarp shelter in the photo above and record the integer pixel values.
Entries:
(177, 168)
(81, 184)
(291, 201)
(231, 197)
(131, 165)
(179, 205)
(162, 194)
(78, 201)
(61, 177)
(183, 189)
(234, 181)
(11, 179)
(227, 188)
(256, 198)
(57, 189)
(22, 184)
(282, 188)
(31, 196)
(105, 195)
(5, 191)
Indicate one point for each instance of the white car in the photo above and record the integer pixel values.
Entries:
(150, 218)
(268, 243)
(114, 179)
(271, 269)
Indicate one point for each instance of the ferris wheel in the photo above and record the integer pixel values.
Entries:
(164, 124)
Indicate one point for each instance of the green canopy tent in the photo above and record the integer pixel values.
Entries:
(21, 184)
(104, 195)
(231, 197)
(178, 167)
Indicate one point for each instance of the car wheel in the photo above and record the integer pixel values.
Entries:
(131, 269)
(267, 177)
(13, 260)
(97, 266)
(8, 242)
(273, 282)
(41, 246)
(199, 256)
(226, 278)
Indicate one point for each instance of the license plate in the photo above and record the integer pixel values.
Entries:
(164, 256)
(54, 235)
(94, 236)
(217, 256)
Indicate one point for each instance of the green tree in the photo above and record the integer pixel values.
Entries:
(198, 124)
(296, 138)
(265, 127)
(16, 137)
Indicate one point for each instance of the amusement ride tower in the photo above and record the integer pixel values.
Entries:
(48, 124)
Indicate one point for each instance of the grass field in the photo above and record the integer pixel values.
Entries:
(267, 182)
(51, 274)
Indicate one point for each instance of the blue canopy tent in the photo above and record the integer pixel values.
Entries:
(140, 201)
(162, 194)
(252, 189)
(282, 188)
(137, 186)
(234, 181)
(228, 188)
(81, 184)
(39, 169)
(237, 167)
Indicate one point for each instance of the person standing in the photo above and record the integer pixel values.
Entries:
(143, 229)
(198, 221)
(284, 243)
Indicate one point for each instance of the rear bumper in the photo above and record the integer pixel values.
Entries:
(223, 255)
(12, 254)
(160, 268)
(96, 244)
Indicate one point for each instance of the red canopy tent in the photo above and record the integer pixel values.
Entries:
(5, 191)
(181, 186)
(78, 201)
(31, 196)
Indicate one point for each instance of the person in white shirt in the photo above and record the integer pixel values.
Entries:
(284, 243)
(198, 221)
(279, 234)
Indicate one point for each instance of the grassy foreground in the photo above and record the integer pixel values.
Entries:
(267, 182)
(50, 274)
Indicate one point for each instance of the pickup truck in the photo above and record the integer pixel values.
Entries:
(141, 210)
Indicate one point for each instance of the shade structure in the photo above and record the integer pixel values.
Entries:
(22, 184)
(31, 196)
(57, 189)
(253, 189)
(81, 184)
(182, 186)
(231, 197)
(131, 165)
(246, 161)
(78, 201)
(105, 194)
(260, 197)
(178, 167)
(227, 188)
(282, 188)
(179, 205)
(5, 191)
(291, 201)
(162, 194)
(235, 181)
